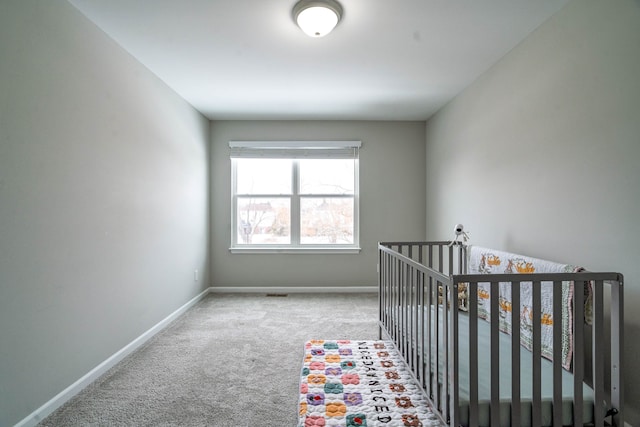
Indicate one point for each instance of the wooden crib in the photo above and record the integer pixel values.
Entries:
(472, 372)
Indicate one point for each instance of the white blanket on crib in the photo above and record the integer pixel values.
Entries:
(487, 261)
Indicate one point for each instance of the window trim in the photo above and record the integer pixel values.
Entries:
(295, 150)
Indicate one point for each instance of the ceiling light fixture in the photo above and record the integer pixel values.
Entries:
(317, 17)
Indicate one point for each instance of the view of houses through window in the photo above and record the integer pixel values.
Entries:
(295, 202)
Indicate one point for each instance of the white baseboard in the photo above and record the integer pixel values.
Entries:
(294, 289)
(42, 412)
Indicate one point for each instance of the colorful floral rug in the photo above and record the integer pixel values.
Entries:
(350, 383)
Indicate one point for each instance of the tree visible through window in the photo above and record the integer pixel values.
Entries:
(296, 196)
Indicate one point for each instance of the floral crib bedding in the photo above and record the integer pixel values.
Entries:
(491, 261)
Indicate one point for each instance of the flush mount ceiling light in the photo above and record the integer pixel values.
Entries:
(317, 17)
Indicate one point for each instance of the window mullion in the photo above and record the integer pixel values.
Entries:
(234, 203)
(295, 203)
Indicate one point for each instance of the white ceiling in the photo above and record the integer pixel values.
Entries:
(386, 59)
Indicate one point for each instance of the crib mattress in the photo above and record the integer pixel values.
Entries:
(526, 381)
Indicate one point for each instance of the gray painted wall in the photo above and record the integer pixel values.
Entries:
(540, 155)
(103, 201)
(391, 201)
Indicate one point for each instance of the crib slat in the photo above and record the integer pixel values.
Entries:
(398, 301)
(380, 293)
(429, 334)
(389, 292)
(403, 305)
(381, 273)
(412, 314)
(436, 343)
(445, 347)
(598, 362)
(391, 296)
(431, 321)
(578, 354)
(392, 299)
(617, 348)
(409, 305)
(536, 420)
(396, 291)
(408, 302)
(403, 311)
(438, 353)
(430, 258)
(398, 337)
(557, 353)
(473, 354)
(406, 311)
(418, 319)
(453, 343)
(414, 321)
(515, 353)
(421, 329)
(440, 259)
(495, 355)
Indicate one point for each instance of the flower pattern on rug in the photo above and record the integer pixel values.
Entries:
(348, 383)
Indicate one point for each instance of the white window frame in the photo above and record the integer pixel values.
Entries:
(295, 150)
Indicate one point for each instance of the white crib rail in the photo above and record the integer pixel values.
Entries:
(410, 276)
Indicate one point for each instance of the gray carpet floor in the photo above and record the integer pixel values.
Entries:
(233, 360)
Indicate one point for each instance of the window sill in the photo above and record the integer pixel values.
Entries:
(294, 250)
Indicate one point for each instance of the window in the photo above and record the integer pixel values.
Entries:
(294, 196)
